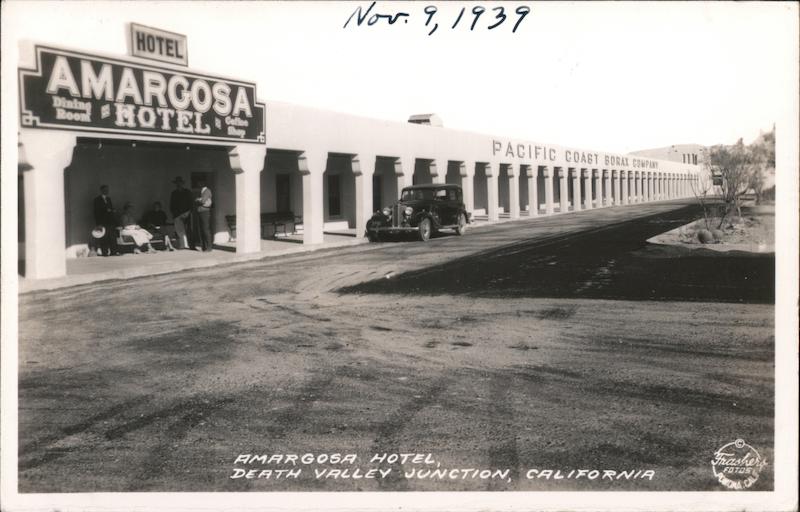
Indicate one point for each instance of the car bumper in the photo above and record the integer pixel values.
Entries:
(391, 229)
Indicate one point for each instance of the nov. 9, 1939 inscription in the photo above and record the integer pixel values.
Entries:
(476, 17)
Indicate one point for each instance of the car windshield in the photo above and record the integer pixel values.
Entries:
(416, 194)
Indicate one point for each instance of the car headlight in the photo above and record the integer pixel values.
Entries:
(387, 212)
(408, 211)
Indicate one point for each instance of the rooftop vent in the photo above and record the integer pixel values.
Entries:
(428, 119)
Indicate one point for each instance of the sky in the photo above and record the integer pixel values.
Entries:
(606, 76)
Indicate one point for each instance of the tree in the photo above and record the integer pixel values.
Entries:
(736, 165)
(735, 170)
(701, 187)
(763, 153)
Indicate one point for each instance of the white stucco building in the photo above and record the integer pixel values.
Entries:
(136, 123)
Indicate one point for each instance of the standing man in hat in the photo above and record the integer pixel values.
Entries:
(204, 215)
(104, 217)
(180, 205)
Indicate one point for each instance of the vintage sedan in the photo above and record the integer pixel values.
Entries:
(423, 210)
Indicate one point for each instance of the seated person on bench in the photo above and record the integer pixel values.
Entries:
(141, 237)
(154, 221)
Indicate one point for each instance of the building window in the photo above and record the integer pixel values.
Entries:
(334, 196)
(694, 159)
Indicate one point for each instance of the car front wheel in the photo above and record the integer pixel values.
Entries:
(462, 224)
(425, 230)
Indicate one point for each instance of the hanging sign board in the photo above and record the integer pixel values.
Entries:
(155, 44)
(75, 91)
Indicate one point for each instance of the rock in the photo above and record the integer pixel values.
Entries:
(705, 236)
(717, 234)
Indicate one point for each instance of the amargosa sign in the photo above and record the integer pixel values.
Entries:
(75, 91)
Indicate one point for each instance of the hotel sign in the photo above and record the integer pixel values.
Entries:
(156, 44)
(75, 91)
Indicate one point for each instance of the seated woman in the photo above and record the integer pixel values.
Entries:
(154, 221)
(141, 237)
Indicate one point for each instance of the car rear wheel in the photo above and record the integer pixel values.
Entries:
(462, 224)
(424, 230)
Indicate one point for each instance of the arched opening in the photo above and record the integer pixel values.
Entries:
(142, 174)
(480, 190)
(422, 172)
(384, 183)
(281, 195)
(339, 194)
(540, 187)
(453, 174)
(503, 194)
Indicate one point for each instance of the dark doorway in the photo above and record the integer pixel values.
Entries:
(334, 196)
(283, 192)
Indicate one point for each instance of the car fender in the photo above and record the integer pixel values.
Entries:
(426, 214)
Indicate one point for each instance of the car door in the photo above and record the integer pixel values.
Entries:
(447, 207)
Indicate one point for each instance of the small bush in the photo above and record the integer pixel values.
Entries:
(705, 236)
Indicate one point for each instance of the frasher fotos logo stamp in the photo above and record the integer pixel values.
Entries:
(737, 465)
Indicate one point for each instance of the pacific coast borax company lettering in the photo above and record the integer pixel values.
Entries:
(76, 91)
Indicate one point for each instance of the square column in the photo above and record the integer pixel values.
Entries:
(408, 164)
(312, 167)
(623, 176)
(438, 170)
(247, 161)
(44, 156)
(652, 186)
(363, 166)
(531, 172)
(399, 176)
(492, 191)
(642, 194)
(467, 171)
(513, 192)
(615, 186)
(563, 190)
(576, 189)
(548, 190)
(636, 193)
(598, 195)
(607, 189)
(587, 196)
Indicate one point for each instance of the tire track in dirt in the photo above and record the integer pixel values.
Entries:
(502, 447)
(41, 451)
(388, 433)
(189, 415)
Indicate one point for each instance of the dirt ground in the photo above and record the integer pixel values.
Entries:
(160, 383)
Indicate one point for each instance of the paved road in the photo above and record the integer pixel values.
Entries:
(158, 384)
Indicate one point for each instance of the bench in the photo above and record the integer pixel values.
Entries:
(277, 220)
(274, 219)
(125, 241)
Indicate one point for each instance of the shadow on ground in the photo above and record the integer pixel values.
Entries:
(611, 262)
